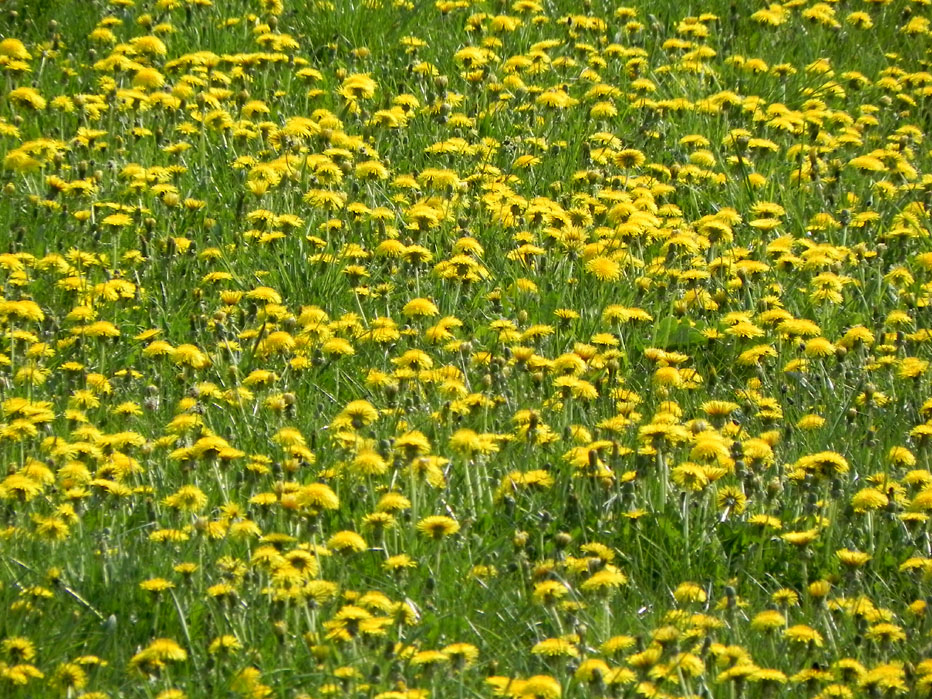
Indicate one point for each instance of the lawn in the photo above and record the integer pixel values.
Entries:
(450, 349)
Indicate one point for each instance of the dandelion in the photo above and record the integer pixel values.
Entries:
(819, 589)
(148, 78)
(912, 368)
(629, 158)
(360, 413)
(884, 678)
(604, 269)
(68, 677)
(347, 542)
(156, 585)
(155, 656)
(189, 355)
(393, 502)
(604, 581)
(379, 521)
(801, 538)
(149, 44)
(278, 342)
(825, 462)
(689, 592)
(19, 487)
(20, 674)
(690, 477)
(549, 592)
(398, 562)
(222, 592)
(768, 620)
(188, 498)
(555, 647)
(413, 443)
(803, 635)
(731, 500)
(438, 526)
(852, 559)
(337, 347)
(369, 462)
(27, 97)
(420, 308)
(901, 456)
(867, 163)
(18, 649)
(358, 86)
(14, 48)
(461, 655)
(371, 170)
(539, 687)
(318, 496)
(885, 633)
(429, 658)
(223, 645)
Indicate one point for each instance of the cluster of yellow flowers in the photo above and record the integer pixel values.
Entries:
(510, 350)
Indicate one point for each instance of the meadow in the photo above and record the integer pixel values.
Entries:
(507, 348)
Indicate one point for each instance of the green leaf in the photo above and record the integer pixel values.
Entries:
(671, 334)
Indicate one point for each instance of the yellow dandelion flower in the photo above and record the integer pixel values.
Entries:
(605, 269)
(604, 581)
(27, 97)
(369, 462)
(358, 86)
(555, 647)
(222, 645)
(347, 542)
(318, 496)
(689, 592)
(803, 635)
(398, 562)
(852, 559)
(885, 632)
(767, 620)
(538, 687)
(420, 308)
(188, 498)
(438, 526)
(14, 48)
